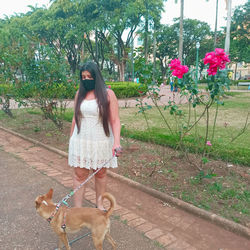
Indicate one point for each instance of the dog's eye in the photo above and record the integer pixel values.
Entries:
(44, 202)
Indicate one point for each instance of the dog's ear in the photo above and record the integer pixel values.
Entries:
(37, 204)
(49, 194)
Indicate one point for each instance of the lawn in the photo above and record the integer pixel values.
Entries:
(231, 119)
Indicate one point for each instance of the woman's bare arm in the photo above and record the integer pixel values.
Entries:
(114, 120)
(73, 119)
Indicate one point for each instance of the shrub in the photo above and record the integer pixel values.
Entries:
(126, 89)
(235, 82)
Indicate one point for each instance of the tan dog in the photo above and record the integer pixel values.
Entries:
(76, 218)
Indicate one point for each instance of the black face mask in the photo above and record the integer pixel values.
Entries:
(88, 84)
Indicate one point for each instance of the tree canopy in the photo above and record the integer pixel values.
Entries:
(75, 31)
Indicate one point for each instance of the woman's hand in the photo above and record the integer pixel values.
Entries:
(117, 150)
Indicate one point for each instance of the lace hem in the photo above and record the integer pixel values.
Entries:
(75, 161)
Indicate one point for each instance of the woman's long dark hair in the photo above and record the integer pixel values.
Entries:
(100, 94)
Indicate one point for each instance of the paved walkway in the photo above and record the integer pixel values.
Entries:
(166, 96)
(23, 229)
(36, 169)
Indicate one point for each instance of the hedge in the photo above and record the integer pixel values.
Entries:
(68, 90)
(5, 88)
(126, 89)
(235, 82)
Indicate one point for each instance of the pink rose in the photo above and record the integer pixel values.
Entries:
(219, 51)
(209, 57)
(212, 71)
(174, 63)
(209, 143)
(109, 86)
(178, 69)
(216, 59)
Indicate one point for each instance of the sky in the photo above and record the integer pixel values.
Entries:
(199, 9)
(194, 9)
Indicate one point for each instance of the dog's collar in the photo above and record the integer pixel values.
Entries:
(54, 213)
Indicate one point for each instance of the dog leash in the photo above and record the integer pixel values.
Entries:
(68, 196)
(76, 239)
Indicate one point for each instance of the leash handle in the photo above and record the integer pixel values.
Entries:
(118, 150)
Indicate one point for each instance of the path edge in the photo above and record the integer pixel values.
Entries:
(214, 218)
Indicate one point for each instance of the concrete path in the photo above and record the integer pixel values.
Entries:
(22, 229)
(166, 96)
(140, 221)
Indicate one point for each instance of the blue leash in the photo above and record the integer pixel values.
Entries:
(76, 239)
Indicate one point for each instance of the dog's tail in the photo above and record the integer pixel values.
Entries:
(111, 198)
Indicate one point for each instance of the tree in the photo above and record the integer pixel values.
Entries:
(166, 46)
(16, 49)
(115, 23)
(240, 26)
(151, 15)
(168, 39)
(62, 28)
(193, 31)
(240, 49)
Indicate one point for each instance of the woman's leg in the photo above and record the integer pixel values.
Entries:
(79, 176)
(100, 186)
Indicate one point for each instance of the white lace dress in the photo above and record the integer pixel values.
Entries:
(91, 148)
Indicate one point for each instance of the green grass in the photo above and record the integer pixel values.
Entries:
(68, 115)
(232, 87)
(34, 111)
(228, 190)
(230, 121)
(232, 93)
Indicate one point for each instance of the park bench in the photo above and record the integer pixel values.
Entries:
(244, 84)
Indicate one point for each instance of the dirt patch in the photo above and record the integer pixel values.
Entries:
(220, 187)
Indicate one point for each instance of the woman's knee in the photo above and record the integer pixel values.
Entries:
(80, 174)
(101, 173)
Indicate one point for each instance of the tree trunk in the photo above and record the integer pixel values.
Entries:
(121, 67)
(154, 55)
(146, 39)
(72, 63)
(235, 71)
(181, 32)
(227, 41)
(96, 48)
(163, 69)
(215, 28)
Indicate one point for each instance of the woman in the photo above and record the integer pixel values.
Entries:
(95, 132)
